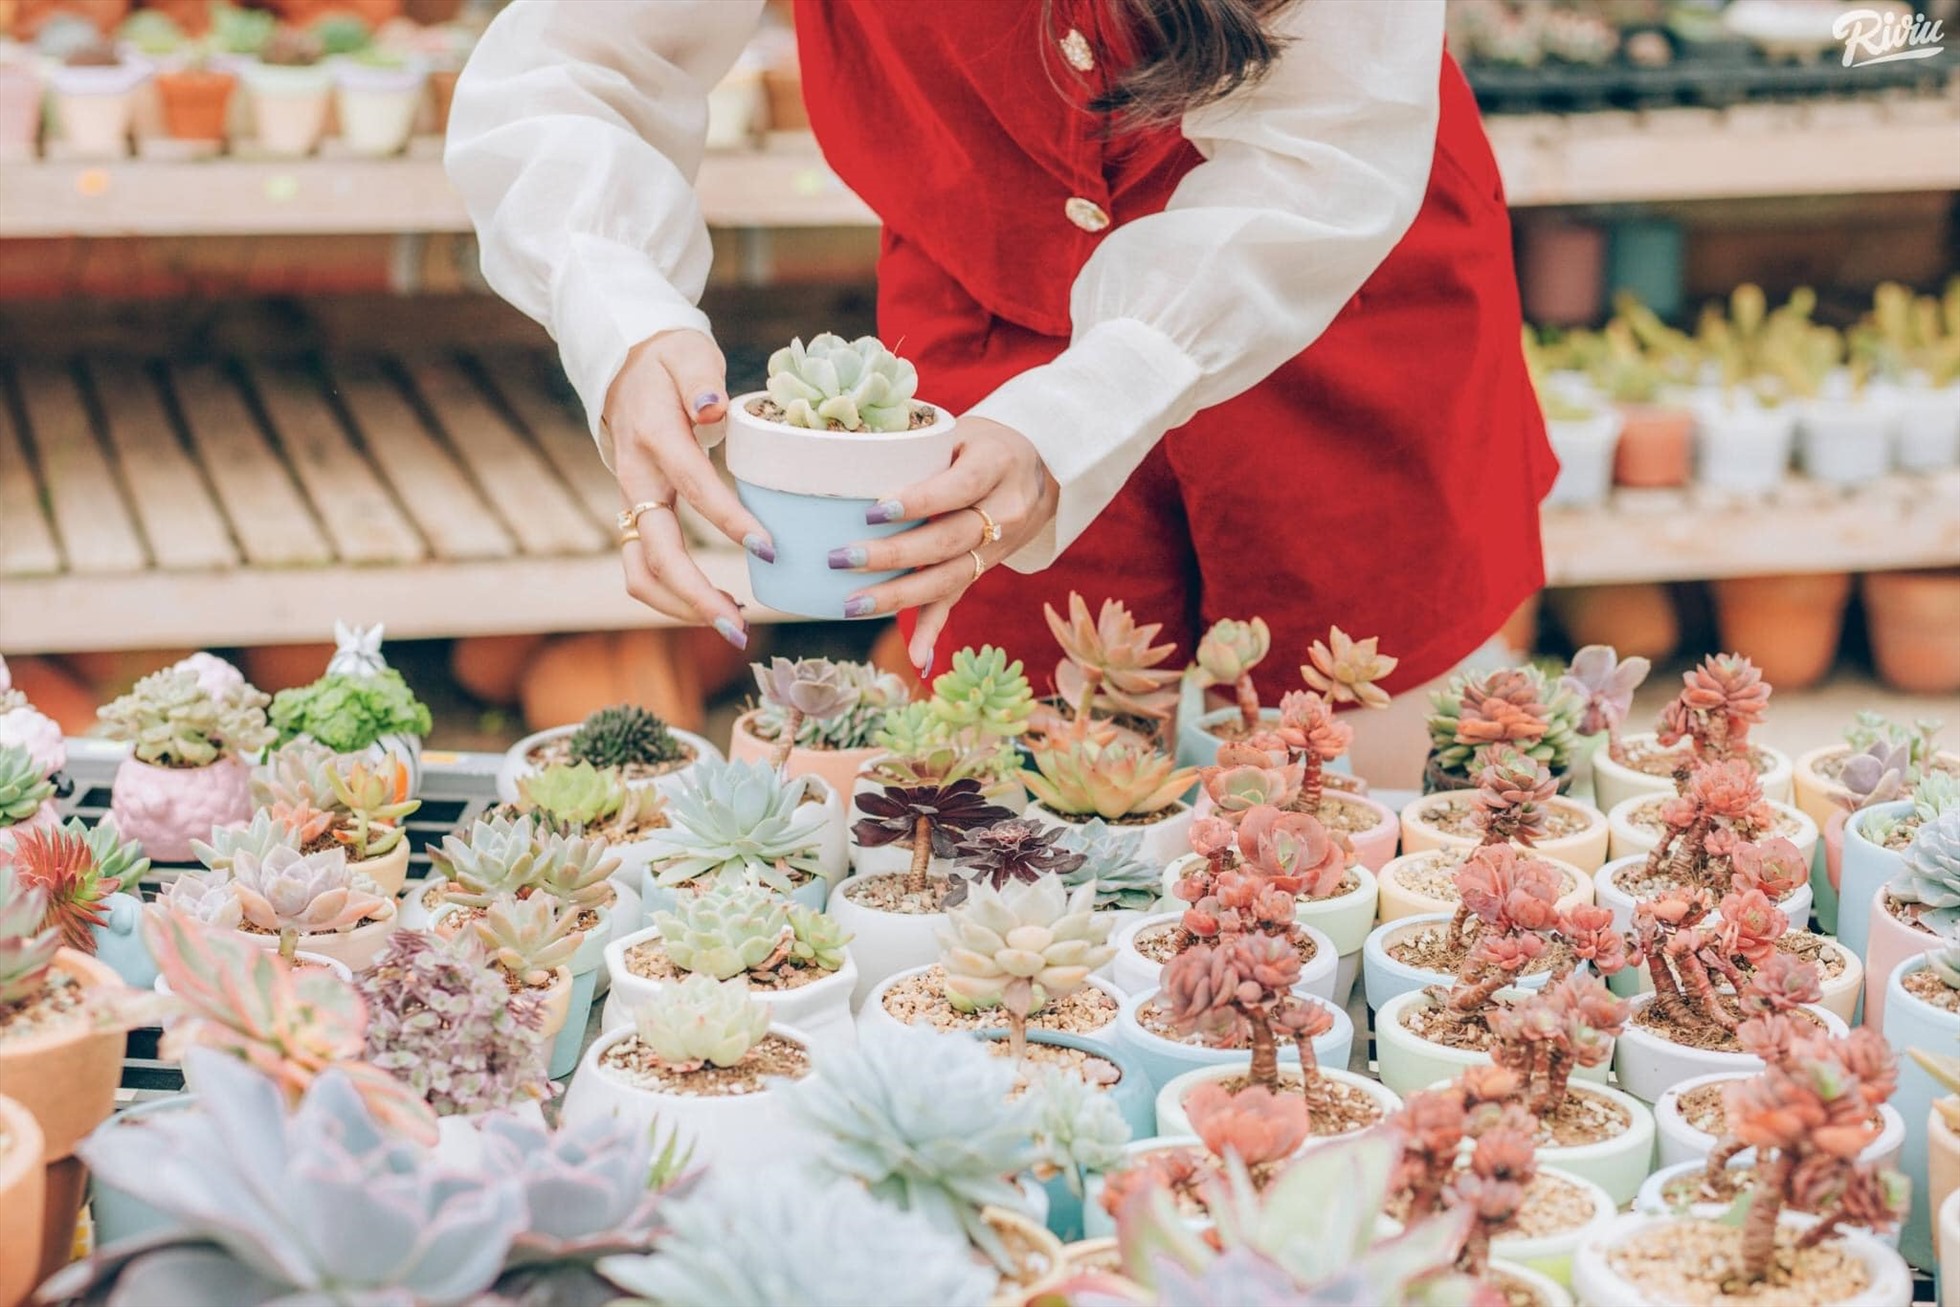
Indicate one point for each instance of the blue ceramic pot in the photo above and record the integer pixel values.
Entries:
(1862, 868)
(119, 942)
(1911, 1023)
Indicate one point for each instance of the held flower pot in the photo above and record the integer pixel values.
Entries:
(94, 106)
(1171, 1119)
(1743, 447)
(1166, 838)
(1648, 1065)
(165, 808)
(1614, 782)
(1383, 977)
(1584, 849)
(872, 1012)
(1865, 866)
(376, 104)
(840, 768)
(1682, 1142)
(1912, 617)
(1165, 1059)
(1407, 1062)
(1846, 442)
(820, 1009)
(1789, 626)
(23, 1201)
(883, 943)
(1585, 449)
(1628, 837)
(289, 106)
(1889, 944)
(1597, 1284)
(517, 764)
(1133, 972)
(1928, 434)
(1911, 1022)
(1402, 897)
(811, 491)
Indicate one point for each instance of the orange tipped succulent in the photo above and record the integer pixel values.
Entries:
(1345, 669)
(1260, 1126)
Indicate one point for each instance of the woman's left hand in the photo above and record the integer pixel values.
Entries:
(996, 471)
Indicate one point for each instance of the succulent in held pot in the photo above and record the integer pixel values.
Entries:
(1111, 780)
(1604, 683)
(1109, 860)
(374, 797)
(529, 938)
(727, 930)
(450, 1028)
(1109, 665)
(808, 689)
(24, 787)
(836, 385)
(701, 1021)
(1930, 874)
(1022, 948)
(289, 894)
(741, 820)
(61, 864)
(27, 942)
(931, 819)
(1017, 851)
(625, 735)
(171, 719)
(1226, 656)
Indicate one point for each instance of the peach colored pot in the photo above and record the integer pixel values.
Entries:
(23, 1200)
(66, 1079)
(1789, 626)
(1889, 943)
(165, 808)
(840, 767)
(1656, 446)
(1913, 617)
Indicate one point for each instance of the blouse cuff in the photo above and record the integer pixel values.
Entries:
(1093, 413)
(608, 298)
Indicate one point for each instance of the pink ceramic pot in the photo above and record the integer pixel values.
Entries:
(165, 808)
(1889, 943)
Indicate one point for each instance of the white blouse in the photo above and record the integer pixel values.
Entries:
(577, 131)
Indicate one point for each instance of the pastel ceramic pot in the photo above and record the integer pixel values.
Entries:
(1171, 1119)
(1133, 972)
(119, 1215)
(1384, 977)
(1652, 1200)
(1407, 1062)
(1846, 442)
(94, 106)
(820, 1009)
(1585, 448)
(884, 943)
(1742, 448)
(1596, 1284)
(1682, 1142)
(1164, 840)
(1585, 850)
(376, 104)
(1910, 1023)
(1865, 866)
(752, 1132)
(1628, 837)
(1165, 1059)
(517, 765)
(23, 1201)
(289, 106)
(1551, 1254)
(841, 768)
(1401, 899)
(1889, 945)
(1618, 1165)
(119, 942)
(873, 1013)
(165, 808)
(811, 491)
(1928, 434)
(1615, 782)
(1647, 1065)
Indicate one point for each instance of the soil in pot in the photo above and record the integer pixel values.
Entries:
(921, 1000)
(1435, 947)
(635, 1063)
(558, 751)
(1691, 1262)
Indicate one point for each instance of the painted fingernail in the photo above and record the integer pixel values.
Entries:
(758, 544)
(853, 557)
(859, 606)
(731, 630)
(885, 510)
(706, 400)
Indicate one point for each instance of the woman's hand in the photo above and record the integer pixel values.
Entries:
(996, 471)
(669, 383)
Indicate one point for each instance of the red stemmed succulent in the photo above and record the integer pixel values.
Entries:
(1719, 702)
(1542, 1039)
(60, 863)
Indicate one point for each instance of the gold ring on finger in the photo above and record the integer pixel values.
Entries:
(979, 563)
(989, 529)
(629, 518)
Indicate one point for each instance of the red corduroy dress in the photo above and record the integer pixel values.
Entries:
(1386, 480)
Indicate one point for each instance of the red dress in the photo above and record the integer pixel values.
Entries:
(1386, 480)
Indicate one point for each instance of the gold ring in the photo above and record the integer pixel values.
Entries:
(989, 529)
(629, 518)
(628, 536)
(979, 563)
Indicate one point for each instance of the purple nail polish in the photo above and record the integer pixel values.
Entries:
(705, 400)
(758, 544)
(860, 606)
(885, 510)
(731, 631)
(852, 557)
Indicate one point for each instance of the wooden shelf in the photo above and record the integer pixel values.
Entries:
(1825, 148)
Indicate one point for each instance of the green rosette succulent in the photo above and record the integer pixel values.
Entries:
(726, 930)
(23, 788)
(835, 385)
(1931, 874)
(701, 1021)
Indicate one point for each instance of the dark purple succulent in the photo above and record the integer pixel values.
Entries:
(950, 811)
(1008, 851)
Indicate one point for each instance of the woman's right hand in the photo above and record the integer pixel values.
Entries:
(671, 382)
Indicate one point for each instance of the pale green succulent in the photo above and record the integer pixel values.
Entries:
(1930, 874)
(254, 839)
(23, 787)
(834, 385)
(26, 950)
(1109, 858)
(171, 719)
(818, 940)
(701, 1021)
(735, 820)
(1079, 1126)
(1022, 947)
(530, 937)
(726, 930)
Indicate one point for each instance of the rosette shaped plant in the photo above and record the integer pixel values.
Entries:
(727, 930)
(60, 863)
(1088, 778)
(742, 821)
(27, 945)
(1018, 851)
(1021, 949)
(836, 385)
(289, 894)
(1109, 860)
(1931, 874)
(1109, 667)
(701, 1021)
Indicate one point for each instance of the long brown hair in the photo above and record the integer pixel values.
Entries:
(1190, 53)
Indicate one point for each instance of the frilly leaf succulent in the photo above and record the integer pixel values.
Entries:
(701, 1021)
(528, 938)
(1109, 859)
(726, 930)
(625, 735)
(742, 1241)
(1111, 780)
(309, 893)
(739, 820)
(835, 385)
(1930, 874)
(1022, 948)
(171, 719)
(450, 1028)
(818, 941)
(60, 863)
(925, 1122)
(27, 946)
(1078, 1125)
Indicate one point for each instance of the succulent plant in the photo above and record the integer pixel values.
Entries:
(727, 930)
(289, 894)
(1226, 655)
(349, 711)
(1111, 780)
(1512, 797)
(929, 819)
(625, 735)
(1604, 683)
(700, 1021)
(1345, 669)
(741, 1241)
(1517, 706)
(742, 820)
(1109, 665)
(835, 385)
(1016, 851)
(925, 1122)
(528, 938)
(27, 944)
(1021, 949)
(24, 787)
(1720, 700)
(1930, 874)
(171, 719)
(1110, 862)
(817, 940)
(450, 1029)
(374, 797)
(61, 864)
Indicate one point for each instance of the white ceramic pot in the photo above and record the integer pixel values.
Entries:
(1608, 894)
(1133, 972)
(872, 1011)
(1551, 1254)
(884, 943)
(517, 765)
(1408, 1063)
(1629, 838)
(1682, 1143)
(355, 949)
(1383, 978)
(820, 1009)
(1585, 458)
(1585, 850)
(1648, 1065)
(1618, 1165)
(1928, 433)
(1166, 1059)
(1171, 1119)
(376, 105)
(1846, 442)
(1398, 899)
(1614, 783)
(754, 1132)
(1164, 841)
(1742, 447)
(1596, 1284)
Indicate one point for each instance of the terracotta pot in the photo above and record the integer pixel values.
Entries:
(65, 1078)
(839, 767)
(23, 1201)
(1914, 618)
(1656, 446)
(1637, 619)
(196, 104)
(1787, 625)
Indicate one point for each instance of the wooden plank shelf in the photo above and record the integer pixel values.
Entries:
(1827, 147)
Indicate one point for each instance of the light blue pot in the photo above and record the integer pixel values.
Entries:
(812, 894)
(119, 943)
(805, 528)
(585, 967)
(1863, 867)
(1164, 1060)
(1910, 1023)
(120, 1216)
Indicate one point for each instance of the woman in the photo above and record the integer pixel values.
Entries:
(1222, 290)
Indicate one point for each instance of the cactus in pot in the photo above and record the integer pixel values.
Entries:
(1022, 948)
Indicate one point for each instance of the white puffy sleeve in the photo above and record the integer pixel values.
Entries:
(1309, 180)
(575, 137)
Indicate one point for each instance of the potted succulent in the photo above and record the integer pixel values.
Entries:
(1720, 701)
(1517, 706)
(347, 801)
(819, 717)
(1526, 792)
(625, 738)
(794, 959)
(702, 1059)
(290, 88)
(192, 729)
(376, 95)
(94, 92)
(1916, 911)
(1102, 777)
(814, 456)
(736, 821)
(361, 705)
